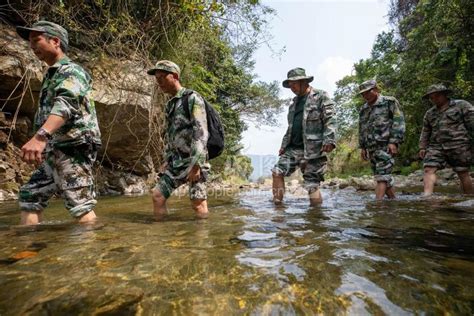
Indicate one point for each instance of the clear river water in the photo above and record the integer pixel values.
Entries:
(350, 256)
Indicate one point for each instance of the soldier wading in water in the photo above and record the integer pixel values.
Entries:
(185, 140)
(67, 133)
(447, 138)
(381, 131)
(310, 136)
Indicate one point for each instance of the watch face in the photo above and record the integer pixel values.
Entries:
(43, 133)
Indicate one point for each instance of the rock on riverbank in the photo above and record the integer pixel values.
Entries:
(445, 177)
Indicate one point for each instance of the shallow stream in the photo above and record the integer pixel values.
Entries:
(349, 256)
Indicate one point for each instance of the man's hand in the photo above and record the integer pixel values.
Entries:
(328, 148)
(32, 151)
(194, 174)
(392, 149)
(422, 153)
(363, 154)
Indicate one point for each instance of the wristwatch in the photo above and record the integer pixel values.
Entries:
(43, 134)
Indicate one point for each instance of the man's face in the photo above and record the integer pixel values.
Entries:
(371, 95)
(438, 98)
(166, 81)
(298, 87)
(44, 48)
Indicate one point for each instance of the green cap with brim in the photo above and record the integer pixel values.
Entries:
(295, 75)
(367, 85)
(47, 27)
(436, 88)
(165, 65)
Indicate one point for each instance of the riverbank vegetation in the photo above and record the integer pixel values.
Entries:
(212, 41)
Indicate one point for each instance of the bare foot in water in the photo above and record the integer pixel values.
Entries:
(87, 218)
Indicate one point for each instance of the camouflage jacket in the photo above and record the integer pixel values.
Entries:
(186, 137)
(319, 124)
(449, 129)
(66, 92)
(381, 124)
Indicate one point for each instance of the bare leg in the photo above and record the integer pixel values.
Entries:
(380, 190)
(315, 198)
(278, 188)
(31, 218)
(466, 182)
(429, 180)
(200, 207)
(390, 192)
(159, 205)
(88, 217)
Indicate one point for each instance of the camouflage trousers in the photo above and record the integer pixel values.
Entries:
(313, 169)
(175, 176)
(459, 158)
(382, 163)
(67, 172)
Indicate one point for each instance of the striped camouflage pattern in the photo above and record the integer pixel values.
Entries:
(452, 128)
(313, 170)
(67, 172)
(66, 92)
(381, 124)
(185, 144)
(381, 163)
(319, 124)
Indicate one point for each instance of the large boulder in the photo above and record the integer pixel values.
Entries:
(129, 107)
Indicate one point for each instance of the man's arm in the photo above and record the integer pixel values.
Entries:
(73, 83)
(200, 135)
(200, 132)
(32, 150)
(284, 142)
(363, 152)
(468, 118)
(397, 130)
(329, 121)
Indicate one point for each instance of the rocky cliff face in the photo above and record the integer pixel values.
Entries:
(129, 114)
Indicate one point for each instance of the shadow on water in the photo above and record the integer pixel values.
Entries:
(351, 255)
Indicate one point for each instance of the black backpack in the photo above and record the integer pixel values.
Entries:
(215, 142)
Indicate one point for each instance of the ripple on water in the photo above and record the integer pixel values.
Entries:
(350, 255)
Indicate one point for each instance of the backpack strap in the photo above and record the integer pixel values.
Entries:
(186, 94)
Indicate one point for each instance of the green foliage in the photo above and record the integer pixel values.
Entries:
(212, 41)
(406, 170)
(431, 43)
(345, 160)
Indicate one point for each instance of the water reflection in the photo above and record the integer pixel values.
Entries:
(350, 256)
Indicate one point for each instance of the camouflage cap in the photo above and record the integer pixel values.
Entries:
(367, 85)
(295, 75)
(439, 87)
(47, 27)
(165, 65)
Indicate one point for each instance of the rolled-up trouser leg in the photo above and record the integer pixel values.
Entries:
(73, 174)
(382, 164)
(34, 195)
(314, 173)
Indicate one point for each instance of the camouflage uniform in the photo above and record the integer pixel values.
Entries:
(186, 145)
(380, 124)
(447, 136)
(319, 129)
(71, 152)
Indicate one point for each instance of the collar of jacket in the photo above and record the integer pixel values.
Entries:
(377, 102)
(63, 61)
(171, 105)
(179, 94)
(311, 93)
